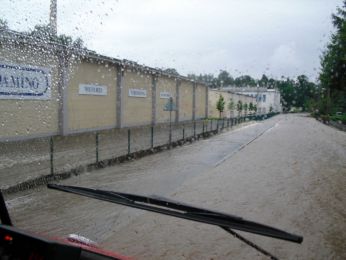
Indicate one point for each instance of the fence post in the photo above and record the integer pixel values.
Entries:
(194, 129)
(183, 132)
(97, 146)
(51, 146)
(128, 142)
(152, 137)
(170, 131)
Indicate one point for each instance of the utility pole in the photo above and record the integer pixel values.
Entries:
(53, 17)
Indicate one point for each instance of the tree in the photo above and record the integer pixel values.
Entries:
(244, 81)
(239, 107)
(44, 33)
(209, 79)
(255, 108)
(171, 71)
(78, 43)
(305, 91)
(245, 106)
(263, 82)
(251, 107)
(3, 24)
(220, 105)
(270, 109)
(231, 106)
(333, 63)
(224, 79)
(288, 93)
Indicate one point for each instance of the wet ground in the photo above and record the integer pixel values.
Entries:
(288, 171)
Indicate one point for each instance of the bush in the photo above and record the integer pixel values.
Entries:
(341, 118)
(325, 118)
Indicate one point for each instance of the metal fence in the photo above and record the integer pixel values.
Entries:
(25, 164)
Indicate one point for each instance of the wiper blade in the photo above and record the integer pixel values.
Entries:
(180, 210)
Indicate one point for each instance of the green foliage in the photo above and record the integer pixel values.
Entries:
(297, 93)
(251, 107)
(333, 63)
(239, 106)
(171, 71)
(263, 82)
(341, 118)
(271, 109)
(209, 79)
(3, 24)
(325, 118)
(231, 105)
(244, 81)
(220, 105)
(245, 106)
(224, 79)
(43, 32)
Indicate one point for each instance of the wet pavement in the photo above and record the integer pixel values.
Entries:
(288, 171)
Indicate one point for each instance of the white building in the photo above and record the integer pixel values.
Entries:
(266, 99)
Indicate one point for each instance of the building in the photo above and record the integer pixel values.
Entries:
(267, 100)
(49, 89)
(214, 95)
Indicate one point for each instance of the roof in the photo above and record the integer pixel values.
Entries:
(247, 89)
(19, 37)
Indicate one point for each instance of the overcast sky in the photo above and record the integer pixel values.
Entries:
(275, 37)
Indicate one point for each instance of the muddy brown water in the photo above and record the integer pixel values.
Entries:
(288, 171)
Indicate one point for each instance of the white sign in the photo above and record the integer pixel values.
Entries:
(95, 90)
(137, 92)
(166, 95)
(24, 82)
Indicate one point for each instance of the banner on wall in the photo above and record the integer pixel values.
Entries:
(94, 90)
(137, 93)
(165, 95)
(24, 82)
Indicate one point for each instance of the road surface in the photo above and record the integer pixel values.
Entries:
(288, 171)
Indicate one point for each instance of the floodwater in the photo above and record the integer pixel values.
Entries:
(288, 171)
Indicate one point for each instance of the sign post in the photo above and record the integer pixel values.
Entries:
(170, 106)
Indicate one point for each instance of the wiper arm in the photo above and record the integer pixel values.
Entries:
(180, 210)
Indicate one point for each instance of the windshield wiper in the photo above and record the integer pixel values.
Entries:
(176, 209)
(180, 210)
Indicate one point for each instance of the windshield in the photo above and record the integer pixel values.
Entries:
(232, 106)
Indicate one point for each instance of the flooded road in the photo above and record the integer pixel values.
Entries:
(288, 171)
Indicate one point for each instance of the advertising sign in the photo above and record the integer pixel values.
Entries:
(24, 82)
(137, 92)
(95, 90)
(165, 95)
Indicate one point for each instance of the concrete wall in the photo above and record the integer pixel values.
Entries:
(214, 97)
(185, 100)
(68, 110)
(167, 85)
(265, 98)
(89, 111)
(21, 118)
(201, 96)
(136, 110)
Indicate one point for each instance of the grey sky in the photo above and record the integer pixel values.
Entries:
(275, 37)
